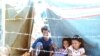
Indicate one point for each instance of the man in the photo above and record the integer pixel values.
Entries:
(44, 42)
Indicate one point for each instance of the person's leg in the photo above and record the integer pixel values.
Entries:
(36, 51)
(39, 47)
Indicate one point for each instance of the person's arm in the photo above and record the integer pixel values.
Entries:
(70, 51)
(51, 53)
(32, 52)
(34, 44)
(82, 50)
(52, 48)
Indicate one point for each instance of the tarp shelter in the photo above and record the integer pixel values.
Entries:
(71, 18)
(65, 17)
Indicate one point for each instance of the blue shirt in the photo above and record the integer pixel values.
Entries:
(46, 44)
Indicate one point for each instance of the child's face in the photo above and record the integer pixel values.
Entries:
(76, 44)
(45, 33)
(65, 44)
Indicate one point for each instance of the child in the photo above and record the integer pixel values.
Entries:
(77, 48)
(64, 50)
(44, 41)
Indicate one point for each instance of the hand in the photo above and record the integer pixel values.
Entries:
(60, 49)
(54, 46)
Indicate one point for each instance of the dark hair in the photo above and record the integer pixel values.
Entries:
(66, 39)
(76, 36)
(44, 28)
(79, 40)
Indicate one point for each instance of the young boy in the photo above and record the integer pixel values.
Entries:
(44, 42)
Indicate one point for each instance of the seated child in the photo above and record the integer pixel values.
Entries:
(64, 50)
(77, 48)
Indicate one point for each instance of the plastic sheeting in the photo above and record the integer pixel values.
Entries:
(87, 28)
(73, 3)
(71, 17)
